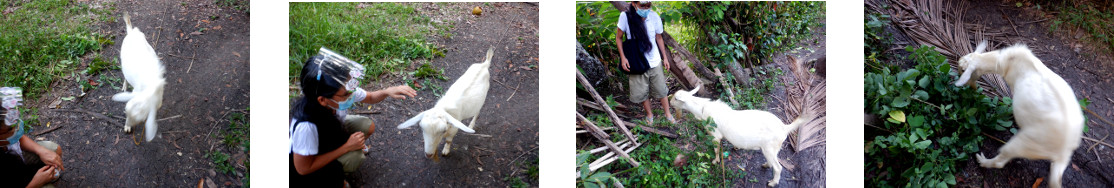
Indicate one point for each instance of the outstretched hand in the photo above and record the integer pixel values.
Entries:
(401, 92)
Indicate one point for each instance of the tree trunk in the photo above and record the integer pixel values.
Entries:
(593, 69)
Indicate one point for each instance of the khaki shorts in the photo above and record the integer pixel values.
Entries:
(652, 82)
(352, 124)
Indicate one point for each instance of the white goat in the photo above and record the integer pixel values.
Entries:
(1047, 113)
(141, 67)
(745, 129)
(463, 100)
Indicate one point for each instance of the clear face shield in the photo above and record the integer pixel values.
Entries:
(342, 70)
(10, 99)
(337, 67)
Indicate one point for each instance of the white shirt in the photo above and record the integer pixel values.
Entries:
(303, 139)
(653, 28)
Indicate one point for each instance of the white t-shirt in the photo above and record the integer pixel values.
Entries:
(653, 28)
(303, 139)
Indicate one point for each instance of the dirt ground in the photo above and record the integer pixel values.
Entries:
(1087, 68)
(809, 164)
(207, 78)
(506, 140)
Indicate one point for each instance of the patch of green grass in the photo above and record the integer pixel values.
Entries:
(380, 36)
(44, 40)
(1091, 19)
(531, 172)
(427, 71)
(222, 160)
(236, 136)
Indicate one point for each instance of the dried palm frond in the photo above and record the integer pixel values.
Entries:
(940, 24)
(809, 94)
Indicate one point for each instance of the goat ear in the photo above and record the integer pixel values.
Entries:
(981, 47)
(966, 74)
(694, 90)
(411, 121)
(459, 125)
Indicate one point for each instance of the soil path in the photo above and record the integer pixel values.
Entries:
(506, 138)
(207, 78)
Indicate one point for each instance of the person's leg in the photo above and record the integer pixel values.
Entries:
(352, 124)
(659, 90)
(639, 92)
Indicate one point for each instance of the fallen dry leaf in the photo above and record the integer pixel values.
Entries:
(236, 54)
(1039, 180)
(196, 33)
(217, 27)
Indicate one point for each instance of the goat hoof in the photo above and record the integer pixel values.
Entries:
(127, 129)
(765, 165)
(772, 183)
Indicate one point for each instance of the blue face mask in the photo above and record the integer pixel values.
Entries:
(643, 12)
(347, 104)
(18, 134)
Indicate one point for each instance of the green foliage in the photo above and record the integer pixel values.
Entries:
(45, 40)
(877, 41)
(427, 71)
(589, 179)
(381, 36)
(657, 153)
(531, 172)
(242, 5)
(596, 27)
(931, 125)
(222, 161)
(751, 30)
(235, 136)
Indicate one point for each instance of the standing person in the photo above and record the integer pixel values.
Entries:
(325, 142)
(24, 162)
(647, 32)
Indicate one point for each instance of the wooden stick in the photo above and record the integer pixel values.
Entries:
(654, 130)
(608, 142)
(731, 94)
(592, 128)
(594, 106)
(515, 91)
(1100, 142)
(612, 159)
(622, 144)
(599, 100)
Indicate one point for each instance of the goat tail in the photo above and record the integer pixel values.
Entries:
(490, 52)
(805, 117)
(123, 96)
(127, 21)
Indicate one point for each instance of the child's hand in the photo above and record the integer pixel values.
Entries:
(400, 92)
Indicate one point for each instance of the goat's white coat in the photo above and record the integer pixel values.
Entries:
(463, 100)
(1048, 115)
(141, 67)
(745, 129)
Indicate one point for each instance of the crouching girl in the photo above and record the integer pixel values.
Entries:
(325, 142)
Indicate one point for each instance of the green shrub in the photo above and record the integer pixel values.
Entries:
(931, 125)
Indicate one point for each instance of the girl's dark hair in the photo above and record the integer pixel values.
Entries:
(638, 29)
(307, 108)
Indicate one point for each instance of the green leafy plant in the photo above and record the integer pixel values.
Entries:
(591, 179)
(930, 124)
(45, 40)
